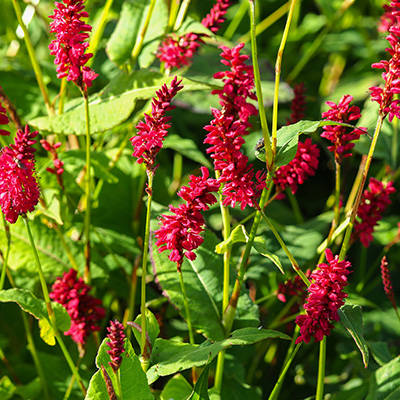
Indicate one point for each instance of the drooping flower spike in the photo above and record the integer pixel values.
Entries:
(19, 189)
(181, 231)
(85, 310)
(342, 141)
(116, 341)
(70, 44)
(151, 133)
(176, 52)
(374, 201)
(325, 297)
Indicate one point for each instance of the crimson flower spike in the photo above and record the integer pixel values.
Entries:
(116, 341)
(387, 283)
(3, 120)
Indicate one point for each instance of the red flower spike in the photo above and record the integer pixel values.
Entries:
(298, 105)
(181, 231)
(342, 141)
(70, 44)
(151, 133)
(177, 52)
(385, 97)
(374, 202)
(387, 282)
(304, 165)
(116, 341)
(3, 120)
(85, 310)
(19, 189)
(325, 297)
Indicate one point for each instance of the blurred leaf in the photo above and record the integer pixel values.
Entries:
(111, 106)
(385, 382)
(122, 40)
(381, 353)
(351, 317)
(37, 307)
(186, 147)
(152, 328)
(52, 209)
(190, 25)
(203, 280)
(31, 390)
(170, 357)
(177, 388)
(7, 388)
(133, 380)
(200, 390)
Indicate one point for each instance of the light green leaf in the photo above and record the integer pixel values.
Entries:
(351, 317)
(134, 384)
(37, 308)
(52, 209)
(177, 388)
(238, 234)
(152, 328)
(170, 357)
(200, 391)
(260, 245)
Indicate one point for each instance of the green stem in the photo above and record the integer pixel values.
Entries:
(62, 95)
(140, 39)
(187, 311)
(50, 310)
(395, 142)
(278, 385)
(346, 241)
(257, 80)
(33, 59)
(181, 14)
(321, 369)
(119, 388)
(72, 380)
(235, 22)
(173, 11)
(295, 206)
(293, 261)
(128, 315)
(278, 67)
(5, 260)
(145, 354)
(265, 24)
(88, 190)
(98, 32)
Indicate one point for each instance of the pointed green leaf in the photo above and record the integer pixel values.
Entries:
(37, 307)
(351, 317)
(52, 209)
(177, 388)
(260, 245)
(170, 357)
(238, 234)
(200, 390)
(203, 280)
(380, 352)
(385, 382)
(152, 328)
(133, 380)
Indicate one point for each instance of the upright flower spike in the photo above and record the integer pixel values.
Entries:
(304, 165)
(151, 133)
(385, 97)
(58, 169)
(298, 104)
(388, 19)
(3, 120)
(374, 202)
(176, 52)
(387, 282)
(116, 341)
(342, 141)
(85, 310)
(19, 189)
(70, 44)
(325, 297)
(181, 231)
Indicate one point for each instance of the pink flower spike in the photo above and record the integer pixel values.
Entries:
(70, 44)
(116, 342)
(85, 310)
(151, 133)
(325, 298)
(58, 164)
(374, 202)
(387, 282)
(3, 120)
(342, 141)
(19, 189)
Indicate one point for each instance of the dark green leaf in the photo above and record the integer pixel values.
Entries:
(381, 353)
(351, 318)
(200, 391)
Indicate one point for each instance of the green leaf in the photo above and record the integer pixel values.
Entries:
(152, 328)
(238, 234)
(177, 388)
(186, 147)
(111, 106)
(381, 353)
(122, 40)
(170, 357)
(288, 138)
(52, 209)
(200, 391)
(7, 388)
(203, 280)
(260, 245)
(133, 380)
(351, 317)
(190, 25)
(385, 382)
(37, 307)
